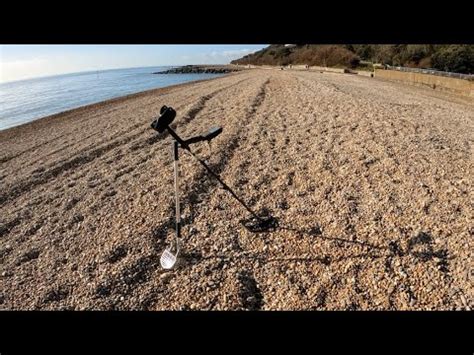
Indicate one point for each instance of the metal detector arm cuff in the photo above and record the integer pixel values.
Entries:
(193, 140)
(213, 133)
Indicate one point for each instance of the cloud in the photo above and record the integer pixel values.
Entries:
(23, 68)
(232, 54)
(218, 57)
(39, 66)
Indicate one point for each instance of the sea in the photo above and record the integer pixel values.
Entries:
(28, 100)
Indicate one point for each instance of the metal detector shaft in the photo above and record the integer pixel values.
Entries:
(226, 187)
(176, 191)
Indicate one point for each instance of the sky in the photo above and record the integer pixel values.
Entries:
(28, 61)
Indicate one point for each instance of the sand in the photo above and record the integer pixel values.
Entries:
(370, 181)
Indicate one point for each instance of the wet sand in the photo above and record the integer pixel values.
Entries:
(370, 181)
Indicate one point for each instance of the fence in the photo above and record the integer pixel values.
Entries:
(436, 82)
(433, 72)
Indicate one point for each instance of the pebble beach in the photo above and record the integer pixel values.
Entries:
(370, 182)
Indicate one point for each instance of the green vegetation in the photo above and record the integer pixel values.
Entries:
(453, 58)
(458, 59)
(323, 55)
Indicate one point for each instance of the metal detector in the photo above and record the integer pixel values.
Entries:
(167, 115)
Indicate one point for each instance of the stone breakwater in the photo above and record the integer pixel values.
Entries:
(196, 69)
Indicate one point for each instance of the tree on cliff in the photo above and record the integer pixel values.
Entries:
(455, 58)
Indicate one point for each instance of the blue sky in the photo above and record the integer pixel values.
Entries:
(27, 61)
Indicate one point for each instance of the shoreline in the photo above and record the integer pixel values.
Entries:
(50, 118)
